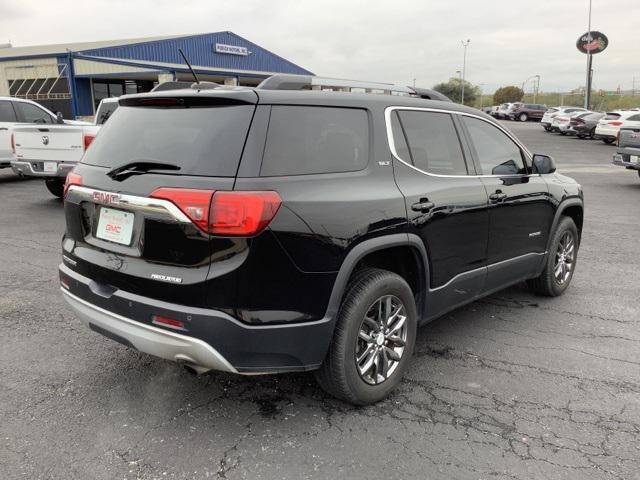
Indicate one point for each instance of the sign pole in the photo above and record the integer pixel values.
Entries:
(587, 93)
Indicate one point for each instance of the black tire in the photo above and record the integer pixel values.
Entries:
(339, 374)
(580, 136)
(639, 173)
(547, 284)
(562, 133)
(523, 117)
(547, 129)
(592, 133)
(55, 186)
(608, 141)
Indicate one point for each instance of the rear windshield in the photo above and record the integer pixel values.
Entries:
(612, 116)
(105, 110)
(200, 140)
(552, 110)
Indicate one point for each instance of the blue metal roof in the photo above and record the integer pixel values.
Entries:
(201, 51)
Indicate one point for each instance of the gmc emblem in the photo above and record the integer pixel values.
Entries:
(105, 197)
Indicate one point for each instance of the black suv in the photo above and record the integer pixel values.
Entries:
(280, 228)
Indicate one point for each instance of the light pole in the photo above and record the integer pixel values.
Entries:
(587, 93)
(464, 66)
(535, 88)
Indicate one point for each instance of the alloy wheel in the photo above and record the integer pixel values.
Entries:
(565, 258)
(381, 339)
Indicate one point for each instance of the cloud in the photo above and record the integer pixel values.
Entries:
(383, 41)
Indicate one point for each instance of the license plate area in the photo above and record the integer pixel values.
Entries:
(50, 167)
(115, 226)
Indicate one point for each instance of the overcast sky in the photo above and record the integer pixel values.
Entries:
(371, 40)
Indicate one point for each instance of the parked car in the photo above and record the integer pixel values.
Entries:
(264, 231)
(527, 111)
(562, 123)
(609, 126)
(584, 124)
(18, 110)
(628, 154)
(494, 111)
(504, 110)
(550, 114)
(50, 152)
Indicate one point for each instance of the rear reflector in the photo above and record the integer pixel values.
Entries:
(72, 179)
(168, 322)
(193, 203)
(237, 214)
(87, 140)
(242, 214)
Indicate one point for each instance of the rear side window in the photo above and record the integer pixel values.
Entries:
(306, 140)
(105, 110)
(204, 141)
(6, 112)
(32, 114)
(496, 152)
(433, 142)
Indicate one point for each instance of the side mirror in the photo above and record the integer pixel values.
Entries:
(543, 164)
(59, 117)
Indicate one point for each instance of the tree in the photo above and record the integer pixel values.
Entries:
(453, 90)
(508, 94)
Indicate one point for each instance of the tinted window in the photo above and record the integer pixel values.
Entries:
(307, 140)
(6, 112)
(593, 116)
(634, 118)
(399, 140)
(200, 140)
(32, 114)
(571, 110)
(433, 142)
(104, 111)
(496, 152)
(612, 116)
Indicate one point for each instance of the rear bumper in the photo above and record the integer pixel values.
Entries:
(605, 136)
(622, 159)
(212, 340)
(148, 339)
(35, 169)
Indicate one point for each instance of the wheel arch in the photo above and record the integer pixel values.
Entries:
(572, 208)
(374, 249)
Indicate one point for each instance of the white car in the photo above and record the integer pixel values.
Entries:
(504, 110)
(562, 123)
(608, 128)
(51, 152)
(18, 110)
(549, 115)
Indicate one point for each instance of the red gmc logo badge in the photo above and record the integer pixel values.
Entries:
(105, 197)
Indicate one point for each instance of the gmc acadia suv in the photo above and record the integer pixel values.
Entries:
(279, 229)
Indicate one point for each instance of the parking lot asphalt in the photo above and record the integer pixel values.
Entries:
(514, 386)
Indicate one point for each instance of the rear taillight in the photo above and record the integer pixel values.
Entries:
(193, 203)
(238, 214)
(13, 143)
(72, 179)
(87, 140)
(242, 214)
(615, 124)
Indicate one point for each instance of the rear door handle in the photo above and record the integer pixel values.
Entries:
(423, 206)
(498, 196)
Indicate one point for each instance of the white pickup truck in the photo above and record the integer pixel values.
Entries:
(51, 151)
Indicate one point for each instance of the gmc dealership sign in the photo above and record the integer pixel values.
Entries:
(231, 49)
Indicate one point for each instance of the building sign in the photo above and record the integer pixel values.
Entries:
(592, 42)
(231, 49)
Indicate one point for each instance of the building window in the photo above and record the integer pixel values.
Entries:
(114, 88)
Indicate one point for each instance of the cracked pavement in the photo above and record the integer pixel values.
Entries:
(510, 387)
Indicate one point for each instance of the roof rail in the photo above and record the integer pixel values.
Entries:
(310, 82)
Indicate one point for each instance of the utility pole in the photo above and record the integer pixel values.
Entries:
(464, 66)
(537, 89)
(587, 93)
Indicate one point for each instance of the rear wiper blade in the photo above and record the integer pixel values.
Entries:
(139, 167)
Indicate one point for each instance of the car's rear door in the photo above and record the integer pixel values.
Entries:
(521, 209)
(446, 206)
(7, 119)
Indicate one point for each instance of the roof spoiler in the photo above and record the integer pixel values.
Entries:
(310, 82)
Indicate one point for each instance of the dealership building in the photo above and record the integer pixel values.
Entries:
(72, 78)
